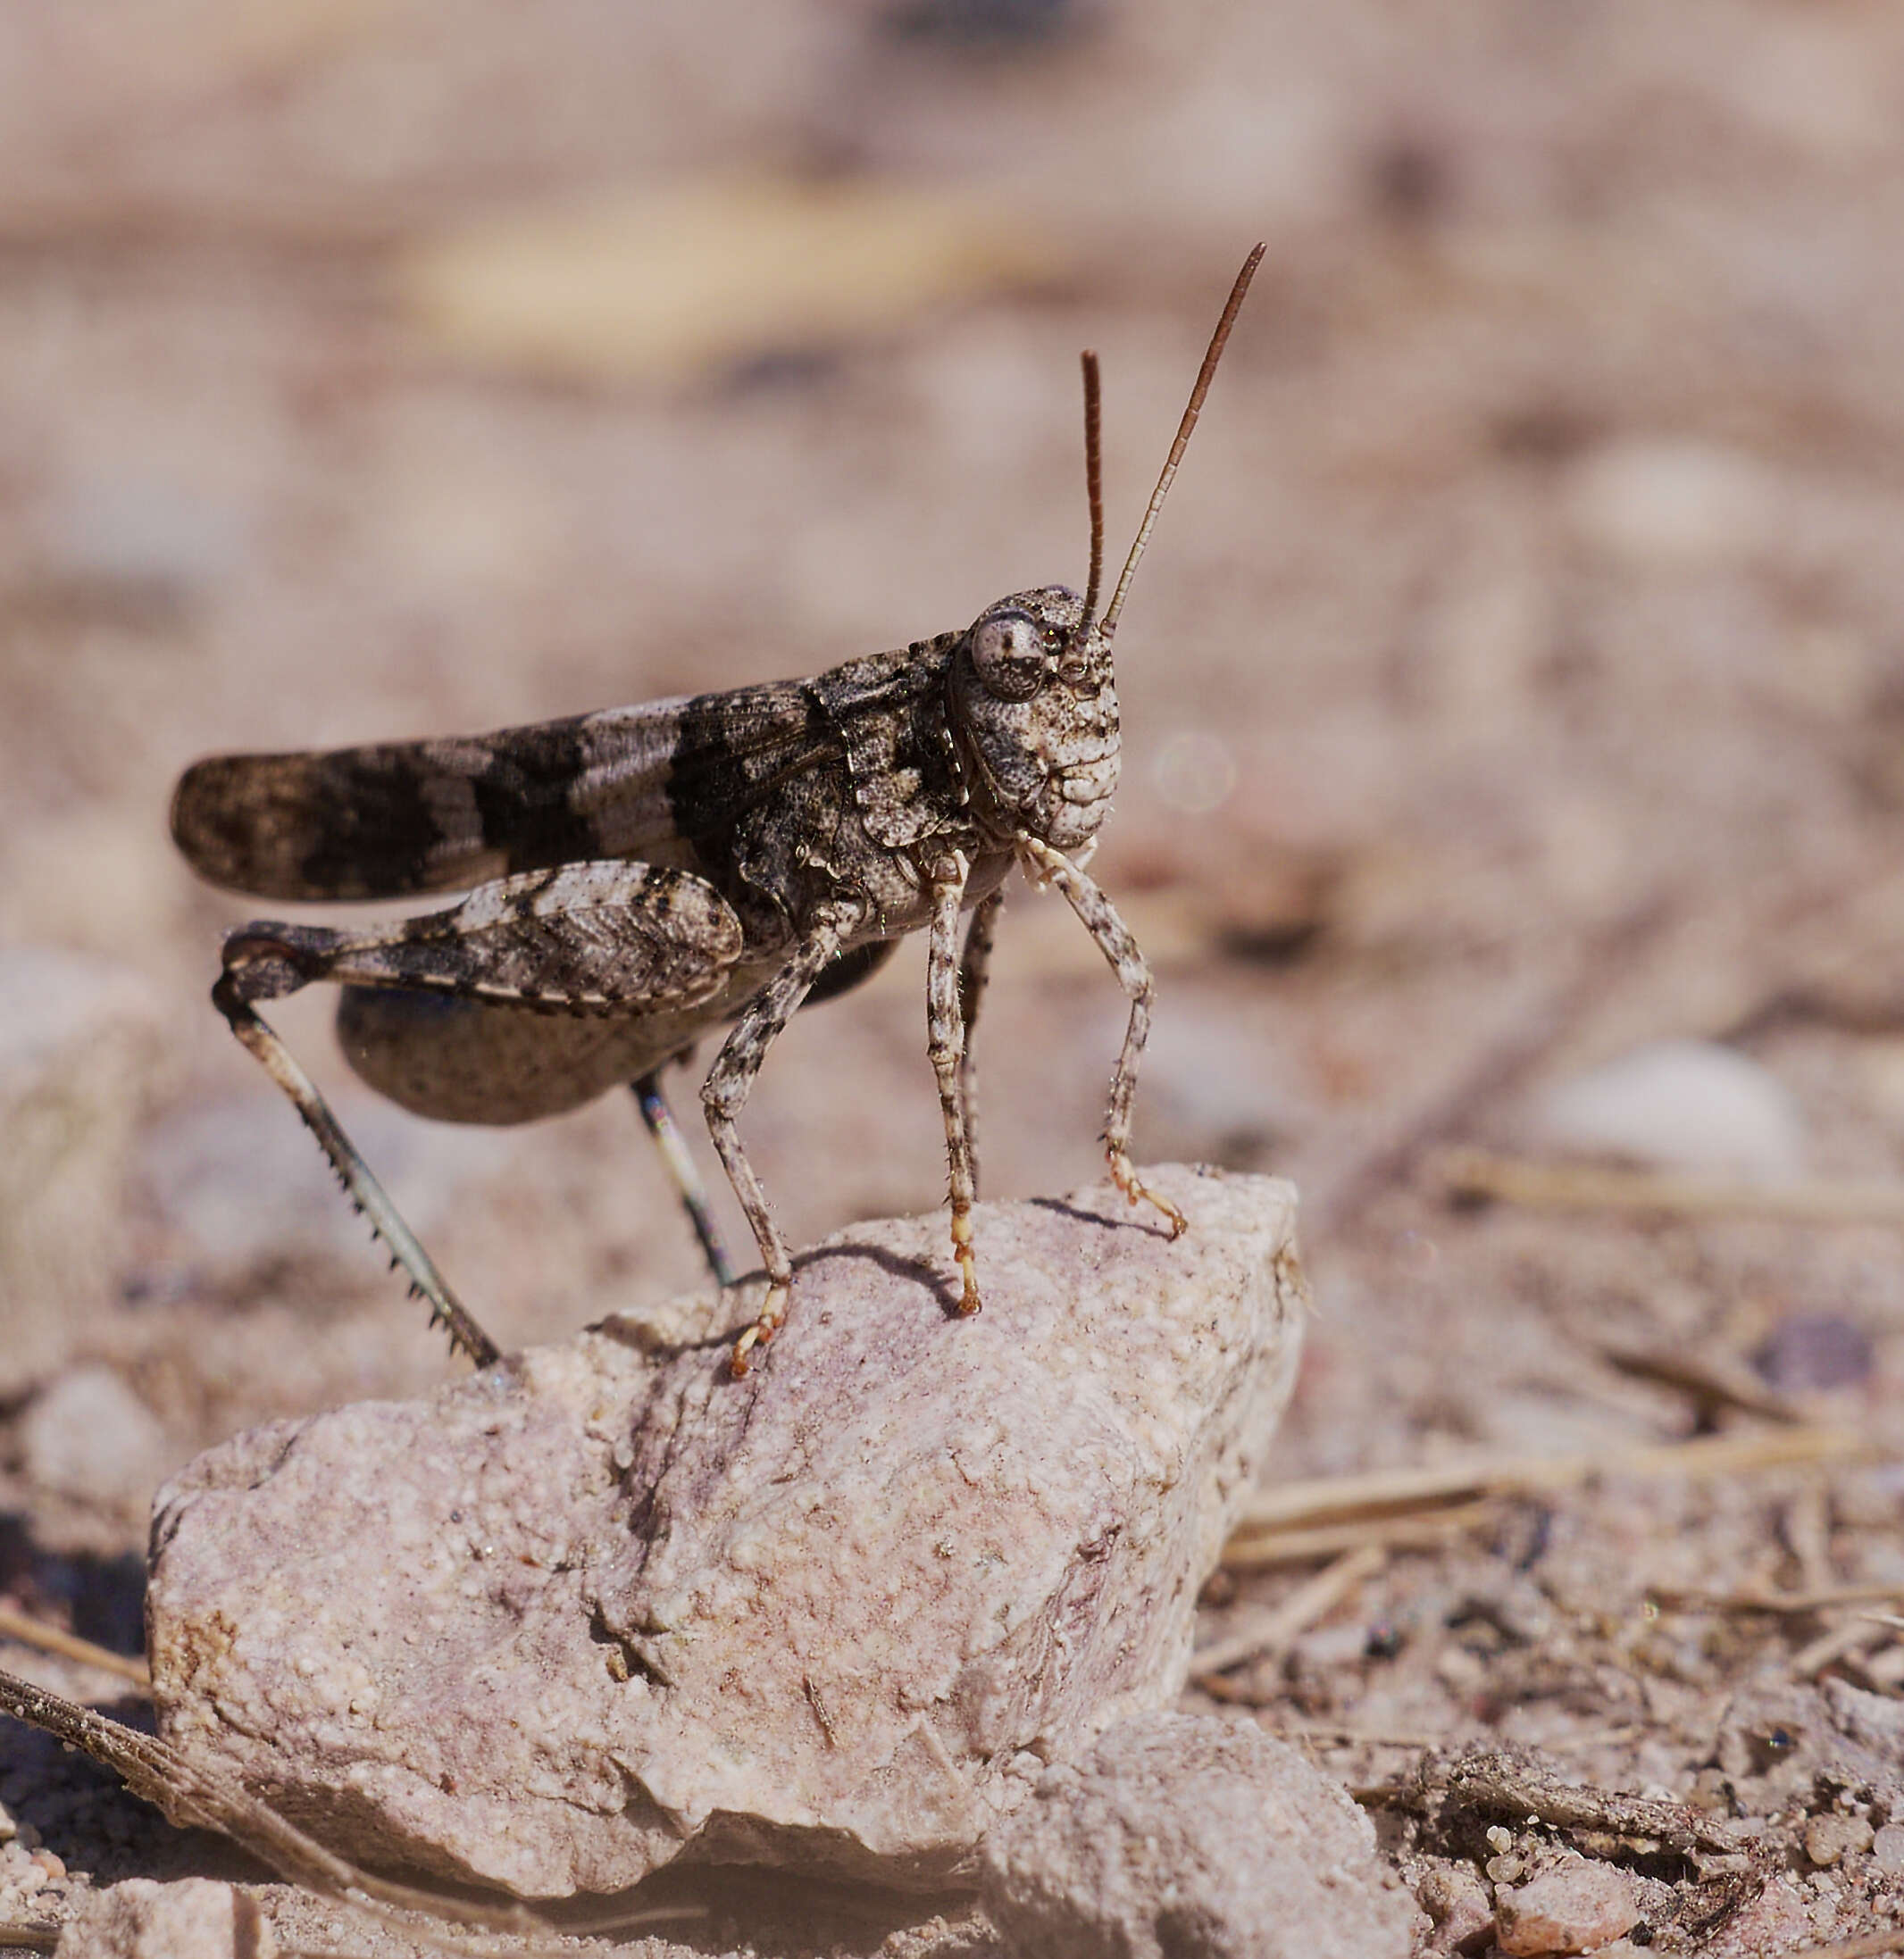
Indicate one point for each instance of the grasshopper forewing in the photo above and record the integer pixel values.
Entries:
(642, 877)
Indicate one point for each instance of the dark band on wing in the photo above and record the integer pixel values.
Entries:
(394, 819)
(386, 820)
(723, 768)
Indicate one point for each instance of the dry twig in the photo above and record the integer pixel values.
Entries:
(1712, 1386)
(1266, 1632)
(1791, 1604)
(1429, 1532)
(36, 1633)
(1476, 1174)
(1392, 1494)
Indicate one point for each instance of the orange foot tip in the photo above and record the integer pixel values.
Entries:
(756, 1335)
(760, 1334)
(969, 1302)
(1126, 1180)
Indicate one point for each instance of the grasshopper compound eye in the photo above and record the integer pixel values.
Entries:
(1009, 652)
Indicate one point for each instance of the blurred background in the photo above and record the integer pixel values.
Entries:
(1514, 684)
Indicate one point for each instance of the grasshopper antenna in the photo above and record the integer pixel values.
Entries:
(1093, 489)
(1204, 375)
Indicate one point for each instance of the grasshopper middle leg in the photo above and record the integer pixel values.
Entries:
(725, 1095)
(974, 971)
(946, 1045)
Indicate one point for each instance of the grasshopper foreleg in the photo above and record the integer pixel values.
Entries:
(974, 969)
(258, 966)
(945, 1023)
(724, 1093)
(1099, 918)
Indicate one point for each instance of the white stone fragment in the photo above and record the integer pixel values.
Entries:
(600, 1605)
(1193, 1836)
(1692, 1105)
(1675, 504)
(193, 1919)
(89, 1436)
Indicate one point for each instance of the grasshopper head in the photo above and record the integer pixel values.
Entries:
(1034, 696)
(1036, 706)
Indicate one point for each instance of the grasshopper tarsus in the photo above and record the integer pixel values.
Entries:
(1137, 1191)
(638, 878)
(760, 1332)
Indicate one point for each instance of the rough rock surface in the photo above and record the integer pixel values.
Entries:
(599, 1605)
(1193, 1836)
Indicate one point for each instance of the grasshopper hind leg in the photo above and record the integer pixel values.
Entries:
(688, 1187)
(256, 967)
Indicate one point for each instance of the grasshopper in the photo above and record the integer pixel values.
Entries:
(640, 876)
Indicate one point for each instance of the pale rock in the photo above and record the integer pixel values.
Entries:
(1570, 1907)
(1192, 1837)
(1682, 1105)
(1675, 504)
(1829, 1839)
(599, 1607)
(82, 1057)
(163, 539)
(193, 1919)
(1454, 1896)
(89, 1436)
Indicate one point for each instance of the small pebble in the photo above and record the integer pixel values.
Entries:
(196, 1918)
(1887, 1847)
(1692, 1105)
(1809, 1351)
(1827, 1838)
(51, 1864)
(1676, 502)
(1568, 1908)
(1458, 1901)
(89, 1436)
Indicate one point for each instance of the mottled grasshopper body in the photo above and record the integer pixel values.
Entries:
(645, 875)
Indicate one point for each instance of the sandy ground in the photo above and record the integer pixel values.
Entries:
(1517, 676)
